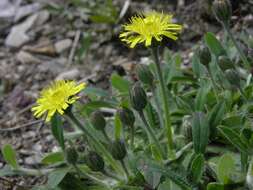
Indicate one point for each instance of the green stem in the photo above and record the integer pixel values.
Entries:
(165, 103)
(32, 172)
(242, 55)
(124, 167)
(97, 144)
(111, 175)
(159, 110)
(106, 136)
(213, 83)
(81, 173)
(151, 133)
(132, 137)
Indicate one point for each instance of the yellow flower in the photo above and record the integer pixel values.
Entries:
(143, 28)
(56, 98)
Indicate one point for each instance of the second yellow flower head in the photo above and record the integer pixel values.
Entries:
(143, 28)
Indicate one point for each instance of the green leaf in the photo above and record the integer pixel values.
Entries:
(152, 116)
(7, 170)
(214, 45)
(57, 130)
(100, 104)
(9, 155)
(95, 91)
(225, 168)
(201, 98)
(55, 177)
(119, 83)
(72, 182)
(215, 117)
(197, 168)
(166, 185)
(200, 132)
(215, 186)
(53, 158)
(198, 69)
(118, 127)
(174, 176)
(234, 138)
(84, 46)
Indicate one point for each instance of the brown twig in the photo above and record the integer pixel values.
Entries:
(22, 126)
(27, 108)
(14, 183)
(73, 49)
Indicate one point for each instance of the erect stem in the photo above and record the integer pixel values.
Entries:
(167, 119)
(152, 135)
(124, 167)
(132, 137)
(159, 110)
(213, 83)
(242, 55)
(81, 173)
(100, 147)
(106, 136)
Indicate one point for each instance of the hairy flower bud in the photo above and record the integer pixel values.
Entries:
(95, 162)
(71, 155)
(118, 150)
(187, 128)
(225, 63)
(222, 10)
(97, 120)
(126, 116)
(204, 56)
(138, 97)
(144, 74)
(233, 77)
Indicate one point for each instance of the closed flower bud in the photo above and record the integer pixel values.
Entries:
(95, 162)
(71, 155)
(225, 63)
(222, 10)
(118, 150)
(187, 128)
(97, 120)
(126, 116)
(233, 77)
(138, 97)
(204, 56)
(144, 74)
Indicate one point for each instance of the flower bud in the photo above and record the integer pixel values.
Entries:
(97, 120)
(126, 116)
(222, 10)
(144, 74)
(225, 63)
(95, 162)
(138, 97)
(71, 155)
(233, 77)
(204, 56)
(187, 128)
(118, 150)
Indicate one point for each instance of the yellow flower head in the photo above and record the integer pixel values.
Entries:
(56, 98)
(143, 28)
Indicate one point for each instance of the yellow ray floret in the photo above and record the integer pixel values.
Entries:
(56, 98)
(143, 28)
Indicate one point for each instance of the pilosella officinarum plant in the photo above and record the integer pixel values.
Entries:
(174, 129)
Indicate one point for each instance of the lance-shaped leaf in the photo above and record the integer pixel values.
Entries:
(200, 132)
(234, 138)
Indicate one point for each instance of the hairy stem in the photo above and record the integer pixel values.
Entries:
(152, 135)
(165, 103)
(239, 49)
(97, 144)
